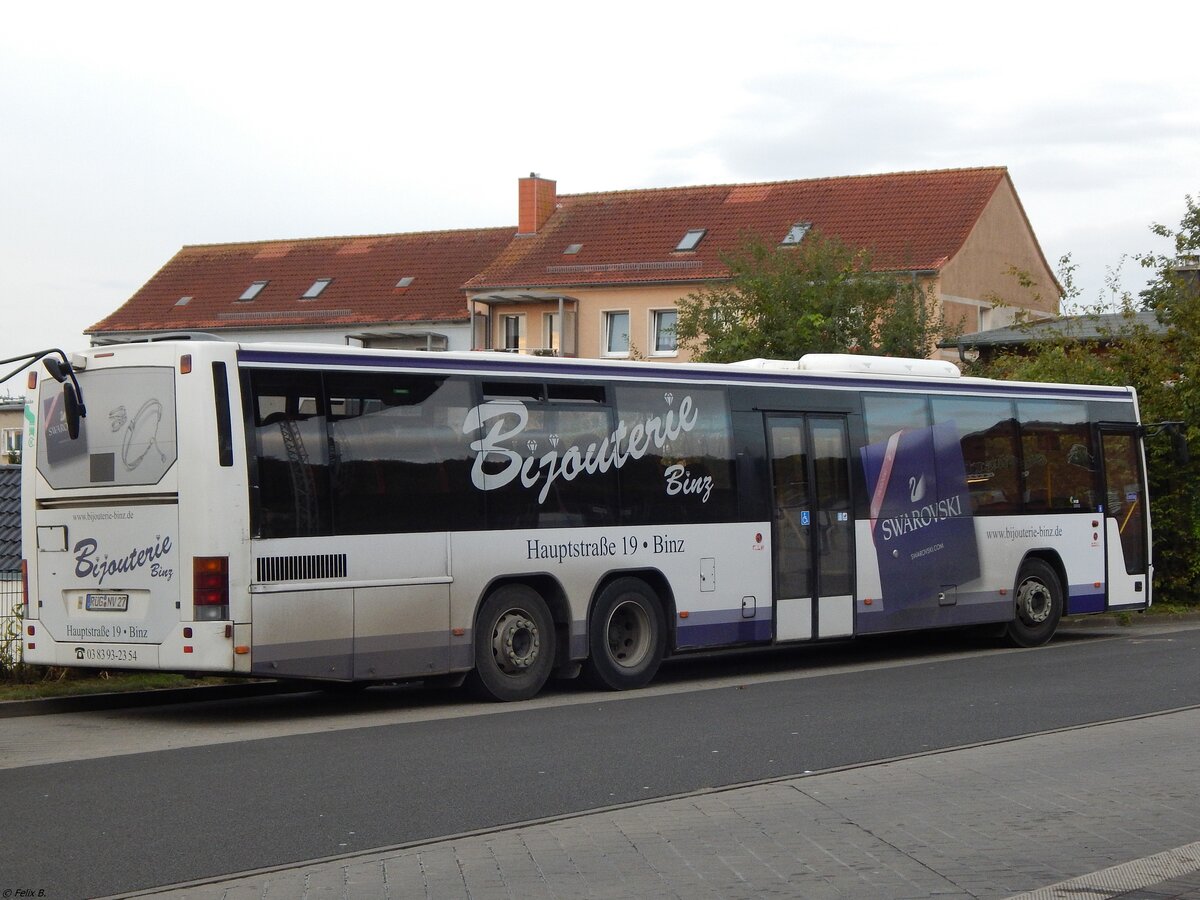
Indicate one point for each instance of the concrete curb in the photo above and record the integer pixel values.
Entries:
(1132, 619)
(133, 699)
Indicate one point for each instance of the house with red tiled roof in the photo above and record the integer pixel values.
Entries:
(390, 290)
(600, 274)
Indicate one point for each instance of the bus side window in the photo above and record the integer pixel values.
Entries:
(291, 454)
(686, 472)
(1059, 460)
(398, 453)
(885, 414)
(557, 435)
(987, 430)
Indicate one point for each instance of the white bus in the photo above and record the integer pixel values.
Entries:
(358, 515)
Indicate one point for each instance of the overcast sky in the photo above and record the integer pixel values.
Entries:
(128, 130)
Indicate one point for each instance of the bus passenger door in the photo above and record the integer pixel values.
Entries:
(1126, 525)
(813, 527)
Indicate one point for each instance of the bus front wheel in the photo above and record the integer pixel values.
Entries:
(1039, 600)
(514, 645)
(627, 636)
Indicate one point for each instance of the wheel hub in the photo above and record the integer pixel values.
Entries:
(515, 642)
(1034, 602)
(628, 634)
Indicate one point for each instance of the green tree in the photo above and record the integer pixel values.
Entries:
(819, 296)
(1165, 370)
(1174, 296)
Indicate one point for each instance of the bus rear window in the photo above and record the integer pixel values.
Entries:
(127, 438)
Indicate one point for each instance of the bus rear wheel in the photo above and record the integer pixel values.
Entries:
(514, 645)
(627, 636)
(1039, 600)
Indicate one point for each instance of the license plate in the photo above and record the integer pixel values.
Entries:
(107, 602)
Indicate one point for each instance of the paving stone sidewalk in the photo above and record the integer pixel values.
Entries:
(1039, 814)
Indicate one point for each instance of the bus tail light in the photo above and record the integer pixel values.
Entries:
(25, 585)
(210, 588)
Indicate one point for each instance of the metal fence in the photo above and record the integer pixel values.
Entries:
(10, 568)
(10, 622)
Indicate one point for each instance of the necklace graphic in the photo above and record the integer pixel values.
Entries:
(141, 432)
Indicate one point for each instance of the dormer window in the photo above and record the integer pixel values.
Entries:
(315, 290)
(691, 239)
(795, 234)
(406, 281)
(253, 291)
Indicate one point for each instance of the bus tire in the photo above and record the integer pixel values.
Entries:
(514, 645)
(1039, 604)
(627, 636)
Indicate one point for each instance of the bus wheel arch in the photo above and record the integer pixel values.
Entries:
(628, 630)
(1039, 599)
(515, 643)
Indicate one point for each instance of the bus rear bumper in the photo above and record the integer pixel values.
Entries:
(191, 646)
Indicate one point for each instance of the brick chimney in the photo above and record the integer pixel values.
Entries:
(537, 198)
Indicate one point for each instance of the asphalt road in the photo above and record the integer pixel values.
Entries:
(98, 826)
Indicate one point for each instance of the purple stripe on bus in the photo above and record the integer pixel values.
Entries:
(715, 634)
(1084, 599)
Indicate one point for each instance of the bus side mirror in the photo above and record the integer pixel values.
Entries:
(1179, 446)
(1177, 432)
(55, 368)
(72, 410)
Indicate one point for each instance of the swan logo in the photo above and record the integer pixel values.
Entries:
(916, 488)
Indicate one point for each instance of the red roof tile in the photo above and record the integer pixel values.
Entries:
(908, 220)
(364, 270)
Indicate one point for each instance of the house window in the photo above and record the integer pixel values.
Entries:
(616, 333)
(551, 331)
(691, 239)
(315, 290)
(796, 234)
(985, 318)
(512, 332)
(664, 331)
(12, 445)
(572, 249)
(406, 281)
(253, 291)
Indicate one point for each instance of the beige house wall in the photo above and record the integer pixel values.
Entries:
(979, 274)
(640, 301)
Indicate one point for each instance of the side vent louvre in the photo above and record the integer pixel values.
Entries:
(313, 567)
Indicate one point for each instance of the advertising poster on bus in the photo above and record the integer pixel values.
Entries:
(921, 518)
